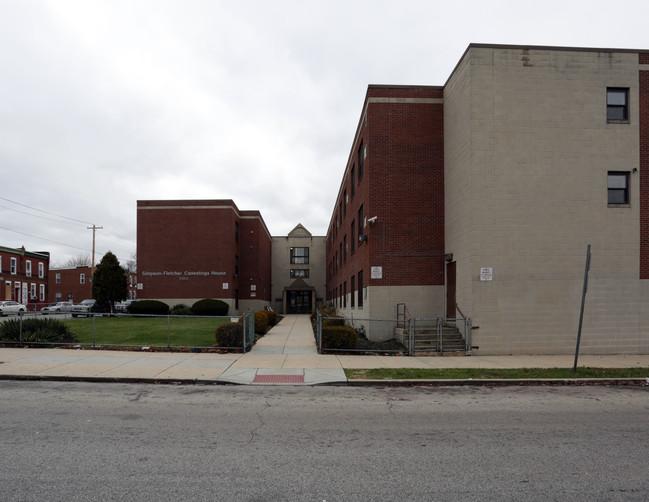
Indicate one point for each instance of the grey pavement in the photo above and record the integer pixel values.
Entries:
(286, 355)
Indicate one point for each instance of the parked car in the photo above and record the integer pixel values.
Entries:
(10, 307)
(88, 307)
(57, 308)
(123, 306)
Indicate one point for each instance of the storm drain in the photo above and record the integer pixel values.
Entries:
(279, 379)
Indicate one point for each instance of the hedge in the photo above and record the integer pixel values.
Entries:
(149, 307)
(339, 337)
(209, 307)
(229, 335)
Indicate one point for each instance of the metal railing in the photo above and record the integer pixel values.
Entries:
(397, 336)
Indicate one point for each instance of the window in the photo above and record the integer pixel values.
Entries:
(352, 179)
(0, 264)
(345, 248)
(345, 294)
(360, 289)
(299, 256)
(13, 266)
(28, 268)
(82, 278)
(360, 224)
(353, 234)
(42, 293)
(58, 278)
(361, 158)
(32, 291)
(618, 187)
(41, 270)
(353, 290)
(299, 272)
(346, 200)
(617, 104)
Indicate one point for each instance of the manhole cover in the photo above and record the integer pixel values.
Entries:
(279, 379)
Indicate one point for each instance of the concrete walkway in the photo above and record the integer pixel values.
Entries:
(286, 355)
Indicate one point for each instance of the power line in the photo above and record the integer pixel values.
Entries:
(38, 216)
(46, 212)
(44, 239)
(121, 259)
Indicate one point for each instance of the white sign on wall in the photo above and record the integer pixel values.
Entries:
(486, 273)
(376, 272)
(226, 285)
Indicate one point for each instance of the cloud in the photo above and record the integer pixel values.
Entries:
(109, 102)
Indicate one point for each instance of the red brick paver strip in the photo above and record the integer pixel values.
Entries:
(279, 379)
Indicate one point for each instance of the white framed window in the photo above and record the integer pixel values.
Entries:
(32, 291)
(58, 278)
(41, 270)
(82, 278)
(42, 293)
(28, 268)
(13, 266)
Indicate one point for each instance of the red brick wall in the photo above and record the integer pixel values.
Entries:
(644, 166)
(22, 256)
(70, 285)
(176, 238)
(402, 185)
(255, 258)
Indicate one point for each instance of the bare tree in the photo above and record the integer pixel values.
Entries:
(131, 264)
(83, 260)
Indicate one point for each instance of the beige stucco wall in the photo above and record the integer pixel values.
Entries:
(527, 154)
(281, 263)
(379, 305)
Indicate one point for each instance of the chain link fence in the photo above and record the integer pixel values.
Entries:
(389, 336)
(127, 330)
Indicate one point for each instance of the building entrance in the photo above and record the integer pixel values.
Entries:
(298, 302)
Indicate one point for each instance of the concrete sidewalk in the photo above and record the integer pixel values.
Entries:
(286, 355)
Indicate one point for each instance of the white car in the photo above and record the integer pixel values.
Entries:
(57, 308)
(10, 307)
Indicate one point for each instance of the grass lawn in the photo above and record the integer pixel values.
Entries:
(158, 331)
(482, 374)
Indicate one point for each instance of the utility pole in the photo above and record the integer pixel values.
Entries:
(92, 269)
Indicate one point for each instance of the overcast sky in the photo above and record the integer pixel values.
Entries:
(103, 103)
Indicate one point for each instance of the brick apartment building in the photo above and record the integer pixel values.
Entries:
(75, 284)
(188, 250)
(24, 276)
(480, 197)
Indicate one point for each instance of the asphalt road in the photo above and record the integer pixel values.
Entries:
(84, 441)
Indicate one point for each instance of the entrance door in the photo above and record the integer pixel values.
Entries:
(7, 290)
(450, 290)
(299, 302)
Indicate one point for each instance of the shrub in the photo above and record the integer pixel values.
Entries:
(339, 337)
(272, 317)
(261, 322)
(337, 321)
(181, 309)
(36, 331)
(150, 307)
(209, 306)
(229, 335)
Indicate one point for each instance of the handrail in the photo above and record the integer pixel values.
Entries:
(457, 307)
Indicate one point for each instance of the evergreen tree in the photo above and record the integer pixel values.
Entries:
(109, 283)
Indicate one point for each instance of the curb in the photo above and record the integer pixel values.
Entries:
(500, 382)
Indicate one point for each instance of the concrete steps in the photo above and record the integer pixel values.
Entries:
(426, 340)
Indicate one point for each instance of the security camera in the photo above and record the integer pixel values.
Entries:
(372, 220)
